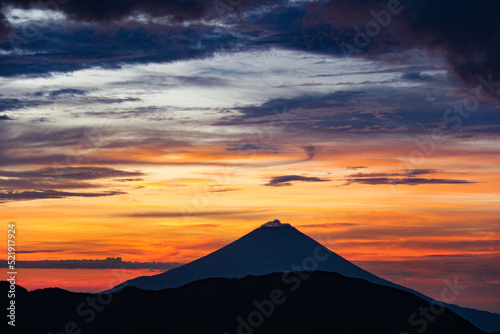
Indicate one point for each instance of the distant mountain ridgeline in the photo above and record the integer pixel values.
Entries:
(279, 248)
(108, 263)
(292, 303)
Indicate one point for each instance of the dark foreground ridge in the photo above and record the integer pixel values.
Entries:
(276, 247)
(295, 302)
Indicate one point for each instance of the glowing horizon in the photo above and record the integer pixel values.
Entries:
(151, 138)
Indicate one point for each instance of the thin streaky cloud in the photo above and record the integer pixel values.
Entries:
(286, 180)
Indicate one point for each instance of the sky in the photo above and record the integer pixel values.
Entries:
(163, 130)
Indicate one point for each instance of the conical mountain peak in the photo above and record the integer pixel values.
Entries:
(275, 223)
(277, 247)
(273, 247)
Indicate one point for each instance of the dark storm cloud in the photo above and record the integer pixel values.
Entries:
(407, 177)
(6, 196)
(4, 28)
(69, 46)
(467, 32)
(110, 10)
(72, 45)
(286, 180)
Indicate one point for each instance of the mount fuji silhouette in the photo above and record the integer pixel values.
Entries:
(280, 248)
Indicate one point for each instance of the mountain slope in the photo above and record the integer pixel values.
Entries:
(277, 247)
(262, 251)
(297, 303)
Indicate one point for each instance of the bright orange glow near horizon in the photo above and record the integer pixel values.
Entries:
(170, 161)
(177, 214)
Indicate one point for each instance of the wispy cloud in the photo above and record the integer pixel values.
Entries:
(328, 225)
(286, 180)
(67, 92)
(180, 214)
(408, 177)
(6, 196)
(409, 173)
(50, 182)
(406, 181)
(223, 189)
(74, 173)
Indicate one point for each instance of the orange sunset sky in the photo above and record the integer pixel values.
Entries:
(167, 144)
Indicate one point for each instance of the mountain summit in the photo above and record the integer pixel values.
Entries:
(277, 247)
(273, 247)
(275, 223)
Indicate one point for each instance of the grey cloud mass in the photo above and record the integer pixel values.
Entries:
(465, 32)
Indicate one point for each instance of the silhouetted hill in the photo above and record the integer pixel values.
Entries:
(302, 303)
(276, 247)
